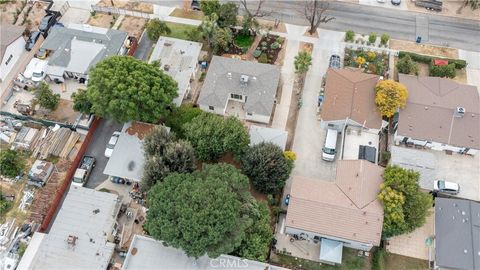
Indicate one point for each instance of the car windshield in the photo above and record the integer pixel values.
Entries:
(77, 180)
(329, 151)
(441, 184)
(37, 74)
(110, 146)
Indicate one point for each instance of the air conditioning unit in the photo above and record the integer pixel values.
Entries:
(460, 112)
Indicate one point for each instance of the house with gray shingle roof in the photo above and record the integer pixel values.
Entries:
(239, 88)
(75, 50)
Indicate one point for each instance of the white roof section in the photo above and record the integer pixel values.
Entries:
(147, 253)
(128, 157)
(31, 251)
(87, 214)
(263, 134)
(178, 58)
(331, 251)
(35, 65)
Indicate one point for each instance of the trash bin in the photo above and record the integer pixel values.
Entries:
(419, 39)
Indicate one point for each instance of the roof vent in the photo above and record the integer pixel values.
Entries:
(459, 112)
(72, 240)
(244, 79)
(166, 67)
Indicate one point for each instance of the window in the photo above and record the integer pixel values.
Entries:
(235, 96)
(249, 114)
(9, 59)
(211, 108)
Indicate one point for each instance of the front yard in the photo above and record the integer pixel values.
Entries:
(369, 61)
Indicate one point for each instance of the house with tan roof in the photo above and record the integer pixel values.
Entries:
(12, 46)
(346, 211)
(440, 114)
(349, 99)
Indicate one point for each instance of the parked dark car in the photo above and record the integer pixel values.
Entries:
(334, 61)
(32, 40)
(48, 21)
(196, 5)
(396, 2)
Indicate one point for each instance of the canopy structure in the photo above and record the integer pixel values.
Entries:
(331, 251)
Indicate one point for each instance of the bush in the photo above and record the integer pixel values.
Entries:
(385, 156)
(443, 71)
(378, 258)
(371, 56)
(244, 40)
(46, 98)
(349, 36)
(257, 53)
(274, 46)
(407, 66)
(459, 64)
(372, 37)
(263, 58)
(384, 39)
(264, 44)
(280, 40)
(202, 76)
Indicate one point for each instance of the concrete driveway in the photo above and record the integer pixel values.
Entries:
(97, 150)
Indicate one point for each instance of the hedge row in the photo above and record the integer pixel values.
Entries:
(459, 64)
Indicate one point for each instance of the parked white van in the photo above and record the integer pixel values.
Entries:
(329, 149)
(35, 70)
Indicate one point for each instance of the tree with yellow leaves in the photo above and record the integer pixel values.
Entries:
(390, 96)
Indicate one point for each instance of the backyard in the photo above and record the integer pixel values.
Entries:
(393, 261)
(350, 261)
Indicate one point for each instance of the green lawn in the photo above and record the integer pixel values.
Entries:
(244, 41)
(350, 261)
(179, 30)
(398, 262)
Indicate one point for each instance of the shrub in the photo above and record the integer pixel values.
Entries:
(280, 40)
(274, 46)
(372, 37)
(407, 66)
(371, 56)
(349, 36)
(443, 71)
(385, 156)
(257, 53)
(459, 64)
(360, 61)
(384, 39)
(202, 76)
(264, 44)
(372, 68)
(263, 58)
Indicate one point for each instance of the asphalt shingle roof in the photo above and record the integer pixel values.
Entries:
(223, 78)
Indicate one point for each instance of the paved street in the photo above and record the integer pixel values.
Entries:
(399, 24)
(97, 149)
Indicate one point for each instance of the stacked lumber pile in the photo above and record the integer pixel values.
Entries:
(54, 141)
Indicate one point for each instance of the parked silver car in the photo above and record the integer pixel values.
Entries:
(445, 187)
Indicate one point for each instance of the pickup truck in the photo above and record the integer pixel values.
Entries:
(83, 171)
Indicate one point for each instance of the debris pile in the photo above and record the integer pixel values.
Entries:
(55, 141)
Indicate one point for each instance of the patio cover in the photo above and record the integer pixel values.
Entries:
(331, 251)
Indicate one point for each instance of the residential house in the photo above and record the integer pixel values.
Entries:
(270, 135)
(457, 234)
(239, 88)
(349, 100)
(440, 114)
(12, 46)
(81, 237)
(128, 156)
(147, 253)
(345, 212)
(179, 59)
(78, 48)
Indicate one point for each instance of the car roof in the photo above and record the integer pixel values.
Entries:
(451, 185)
(114, 138)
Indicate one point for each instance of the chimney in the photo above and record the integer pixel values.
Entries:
(459, 112)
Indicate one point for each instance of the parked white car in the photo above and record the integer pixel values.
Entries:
(446, 187)
(111, 144)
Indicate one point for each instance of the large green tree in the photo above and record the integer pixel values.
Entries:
(267, 167)
(180, 116)
(209, 7)
(256, 244)
(46, 98)
(212, 136)
(156, 28)
(124, 89)
(164, 155)
(406, 206)
(11, 163)
(227, 15)
(205, 212)
(81, 102)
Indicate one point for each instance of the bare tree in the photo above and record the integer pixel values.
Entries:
(256, 12)
(315, 14)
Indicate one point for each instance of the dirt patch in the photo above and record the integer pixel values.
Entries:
(133, 25)
(32, 15)
(102, 20)
(295, 105)
(264, 24)
(128, 5)
(423, 49)
(9, 10)
(307, 34)
(64, 113)
(450, 8)
(187, 14)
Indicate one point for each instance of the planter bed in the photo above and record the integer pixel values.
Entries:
(375, 63)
